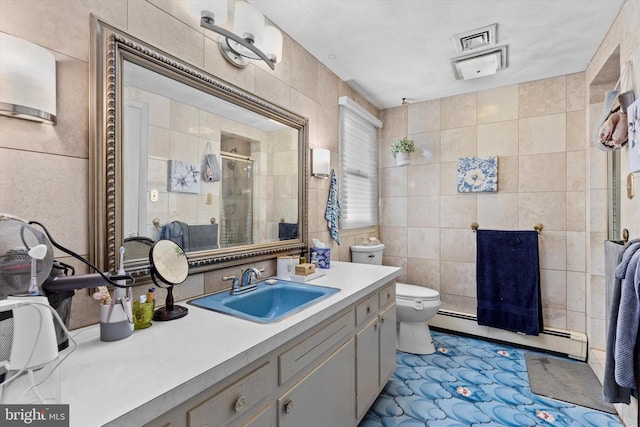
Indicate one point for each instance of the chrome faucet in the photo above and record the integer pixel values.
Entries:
(248, 282)
(249, 277)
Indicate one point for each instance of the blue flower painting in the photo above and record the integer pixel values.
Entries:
(477, 174)
(184, 177)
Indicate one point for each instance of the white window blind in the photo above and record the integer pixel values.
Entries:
(358, 165)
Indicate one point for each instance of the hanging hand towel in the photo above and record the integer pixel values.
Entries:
(617, 259)
(508, 281)
(177, 232)
(333, 212)
(287, 231)
(626, 345)
(203, 237)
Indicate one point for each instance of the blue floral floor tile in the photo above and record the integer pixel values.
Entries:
(471, 382)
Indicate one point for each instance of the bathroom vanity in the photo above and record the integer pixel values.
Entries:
(322, 366)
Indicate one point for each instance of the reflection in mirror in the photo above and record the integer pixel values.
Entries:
(169, 264)
(137, 247)
(182, 156)
(205, 168)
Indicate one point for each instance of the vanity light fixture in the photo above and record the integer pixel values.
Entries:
(320, 162)
(251, 39)
(27, 80)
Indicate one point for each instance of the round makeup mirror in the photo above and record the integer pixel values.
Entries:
(169, 264)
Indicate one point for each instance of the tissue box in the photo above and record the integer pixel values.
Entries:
(324, 257)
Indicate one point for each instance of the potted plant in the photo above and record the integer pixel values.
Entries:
(401, 149)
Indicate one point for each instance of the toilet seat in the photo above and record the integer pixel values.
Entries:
(416, 293)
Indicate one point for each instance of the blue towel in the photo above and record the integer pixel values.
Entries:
(202, 237)
(333, 212)
(177, 232)
(617, 258)
(508, 281)
(287, 231)
(627, 336)
(191, 237)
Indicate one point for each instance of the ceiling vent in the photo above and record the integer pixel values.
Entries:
(480, 38)
(480, 64)
(478, 54)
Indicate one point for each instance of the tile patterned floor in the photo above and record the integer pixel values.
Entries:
(470, 382)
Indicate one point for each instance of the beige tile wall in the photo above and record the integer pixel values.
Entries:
(44, 169)
(537, 131)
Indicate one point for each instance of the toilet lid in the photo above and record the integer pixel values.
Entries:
(405, 291)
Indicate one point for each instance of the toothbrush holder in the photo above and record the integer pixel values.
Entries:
(116, 321)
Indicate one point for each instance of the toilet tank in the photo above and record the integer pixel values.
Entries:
(367, 254)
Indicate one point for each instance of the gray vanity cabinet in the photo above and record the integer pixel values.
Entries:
(233, 401)
(375, 346)
(264, 418)
(387, 343)
(326, 377)
(325, 396)
(367, 362)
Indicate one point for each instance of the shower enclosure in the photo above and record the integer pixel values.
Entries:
(236, 218)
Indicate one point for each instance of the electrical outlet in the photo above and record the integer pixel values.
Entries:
(154, 195)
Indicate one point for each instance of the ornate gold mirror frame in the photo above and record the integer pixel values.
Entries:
(111, 47)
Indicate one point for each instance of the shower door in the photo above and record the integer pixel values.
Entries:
(236, 218)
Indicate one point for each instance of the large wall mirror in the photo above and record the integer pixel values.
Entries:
(181, 155)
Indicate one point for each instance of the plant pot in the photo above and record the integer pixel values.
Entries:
(402, 159)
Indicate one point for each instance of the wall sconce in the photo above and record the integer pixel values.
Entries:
(320, 162)
(27, 80)
(251, 39)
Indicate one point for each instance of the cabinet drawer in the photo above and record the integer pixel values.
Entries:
(234, 400)
(293, 360)
(367, 309)
(387, 294)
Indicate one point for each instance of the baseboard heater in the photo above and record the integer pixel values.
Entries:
(573, 344)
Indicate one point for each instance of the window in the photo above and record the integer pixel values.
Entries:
(358, 165)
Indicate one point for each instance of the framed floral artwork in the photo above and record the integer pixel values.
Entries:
(184, 177)
(477, 174)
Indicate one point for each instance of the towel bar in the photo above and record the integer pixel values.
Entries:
(537, 226)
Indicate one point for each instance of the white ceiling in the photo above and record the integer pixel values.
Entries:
(393, 49)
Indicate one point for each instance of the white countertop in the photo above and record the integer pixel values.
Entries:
(134, 380)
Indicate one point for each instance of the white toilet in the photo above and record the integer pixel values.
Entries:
(415, 305)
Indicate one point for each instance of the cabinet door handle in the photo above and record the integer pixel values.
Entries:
(288, 407)
(368, 309)
(240, 404)
(375, 326)
(388, 295)
(381, 319)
